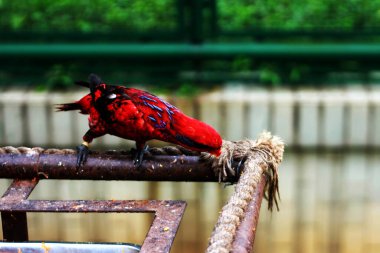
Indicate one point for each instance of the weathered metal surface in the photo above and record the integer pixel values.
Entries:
(59, 247)
(92, 206)
(245, 234)
(14, 224)
(168, 214)
(19, 190)
(164, 227)
(107, 167)
(14, 205)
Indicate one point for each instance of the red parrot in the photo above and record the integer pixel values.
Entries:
(140, 116)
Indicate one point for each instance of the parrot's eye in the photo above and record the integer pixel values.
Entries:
(111, 96)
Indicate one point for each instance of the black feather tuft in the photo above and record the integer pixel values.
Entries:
(94, 82)
(67, 107)
(94, 79)
(82, 83)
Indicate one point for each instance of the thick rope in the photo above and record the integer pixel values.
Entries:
(262, 156)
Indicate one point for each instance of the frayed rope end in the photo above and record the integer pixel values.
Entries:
(269, 147)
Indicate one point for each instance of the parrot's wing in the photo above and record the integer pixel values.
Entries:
(180, 128)
(157, 112)
(165, 121)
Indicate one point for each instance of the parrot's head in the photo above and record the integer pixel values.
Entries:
(94, 83)
(101, 92)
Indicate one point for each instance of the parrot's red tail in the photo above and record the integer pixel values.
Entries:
(197, 135)
(83, 105)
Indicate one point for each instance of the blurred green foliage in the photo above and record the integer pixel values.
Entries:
(122, 16)
(296, 14)
(104, 15)
(86, 15)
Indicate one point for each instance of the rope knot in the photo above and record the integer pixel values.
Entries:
(261, 157)
(267, 147)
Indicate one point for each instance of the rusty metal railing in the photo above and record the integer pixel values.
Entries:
(61, 164)
(28, 166)
(14, 206)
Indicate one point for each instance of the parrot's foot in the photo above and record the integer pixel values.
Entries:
(238, 169)
(139, 156)
(83, 152)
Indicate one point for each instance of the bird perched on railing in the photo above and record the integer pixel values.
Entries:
(138, 115)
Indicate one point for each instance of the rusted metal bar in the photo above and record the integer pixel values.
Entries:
(168, 215)
(14, 224)
(61, 247)
(19, 190)
(119, 166)
(107, 167)
(245, 234)
(164, 227)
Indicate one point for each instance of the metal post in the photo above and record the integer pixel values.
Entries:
(15, 226)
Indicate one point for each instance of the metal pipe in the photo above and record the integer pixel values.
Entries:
(64, 247)
(119, 166)
(245, 234)
(168, 214)
(107, 167)
(14, 224)
(207, 50)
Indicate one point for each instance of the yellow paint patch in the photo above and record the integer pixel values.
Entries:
(45, 247)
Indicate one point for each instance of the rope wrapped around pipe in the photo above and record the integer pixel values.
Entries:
(262, 157)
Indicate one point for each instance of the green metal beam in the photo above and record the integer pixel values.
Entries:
(327, 51)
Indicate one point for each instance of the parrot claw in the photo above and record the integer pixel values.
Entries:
(239, 166)
(238, 170)
(139, 156)
(83, 152)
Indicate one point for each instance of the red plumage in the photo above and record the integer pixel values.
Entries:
(138, 115)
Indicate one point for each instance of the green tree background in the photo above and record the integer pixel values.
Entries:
(124, 16)
(105, 15)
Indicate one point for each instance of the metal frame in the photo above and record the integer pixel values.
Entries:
(246, 232)
(30, 166)
(168, 214)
